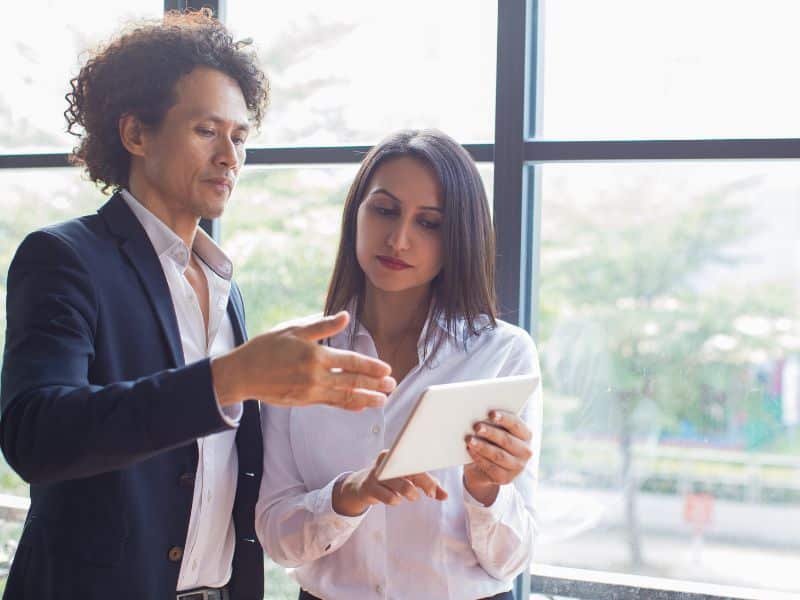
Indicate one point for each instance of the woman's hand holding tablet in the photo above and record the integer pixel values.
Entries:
(356, 492)
(500, 449)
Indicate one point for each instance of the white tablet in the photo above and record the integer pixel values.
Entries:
(433, 436)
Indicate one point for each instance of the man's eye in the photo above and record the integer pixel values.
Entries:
(205, 132)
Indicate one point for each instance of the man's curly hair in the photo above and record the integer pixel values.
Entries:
(136, 74)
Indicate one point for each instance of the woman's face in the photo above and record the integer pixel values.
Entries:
(399, 226)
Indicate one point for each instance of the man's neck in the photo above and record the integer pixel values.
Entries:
(184, 224)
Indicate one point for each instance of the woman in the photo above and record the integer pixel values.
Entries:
(415, 271)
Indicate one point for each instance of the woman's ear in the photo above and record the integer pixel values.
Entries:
(131, 134)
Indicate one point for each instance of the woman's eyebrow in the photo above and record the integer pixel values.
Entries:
(396, 199)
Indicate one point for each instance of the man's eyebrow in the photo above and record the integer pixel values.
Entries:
(220, 121)
(396, 199)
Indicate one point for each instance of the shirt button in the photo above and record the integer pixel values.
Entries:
(175, 553)
(376, 429)
(379, 589)
(208, 495)
(194, 565)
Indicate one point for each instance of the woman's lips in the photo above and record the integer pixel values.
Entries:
(392, 263)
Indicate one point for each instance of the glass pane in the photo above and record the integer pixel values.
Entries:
(43, 45)
(679, 69)
(669, 328)
(348, 72)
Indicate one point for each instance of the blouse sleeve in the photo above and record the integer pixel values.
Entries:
(295, 525)
(503, 534)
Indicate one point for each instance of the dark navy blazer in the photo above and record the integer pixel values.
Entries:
(100, 415)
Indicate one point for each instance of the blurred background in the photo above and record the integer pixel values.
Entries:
(666, 294)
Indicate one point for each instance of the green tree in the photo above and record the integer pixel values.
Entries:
(641, 324)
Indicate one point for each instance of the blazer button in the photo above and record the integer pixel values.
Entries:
(186, 480)
(175, 553)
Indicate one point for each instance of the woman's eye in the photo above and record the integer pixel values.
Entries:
(384, 211)
(238, 141)
(429, 224)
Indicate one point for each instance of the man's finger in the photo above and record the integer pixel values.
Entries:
(323, 328)
(353, 362)
(350, 399)
(341, 380)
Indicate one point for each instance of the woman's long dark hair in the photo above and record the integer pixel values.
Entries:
(464, 288)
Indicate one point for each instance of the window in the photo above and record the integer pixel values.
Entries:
(349, 72)
(41, 44)
(658, 277)
(669, 334)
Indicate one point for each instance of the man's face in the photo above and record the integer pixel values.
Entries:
(192, 160)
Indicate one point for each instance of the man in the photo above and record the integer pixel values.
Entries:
(143, 456)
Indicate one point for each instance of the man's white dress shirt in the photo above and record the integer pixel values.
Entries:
(208, 551)
(455, 549)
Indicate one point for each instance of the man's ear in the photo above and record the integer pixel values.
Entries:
(131, 133)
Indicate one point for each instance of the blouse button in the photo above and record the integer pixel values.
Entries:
(376, 429)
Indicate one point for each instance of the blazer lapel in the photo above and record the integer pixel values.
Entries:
(137, 248)
(236, 313)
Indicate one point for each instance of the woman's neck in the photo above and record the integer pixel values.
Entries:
(389, 316)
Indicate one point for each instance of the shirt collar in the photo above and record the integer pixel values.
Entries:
(167, 243)
(456, 336)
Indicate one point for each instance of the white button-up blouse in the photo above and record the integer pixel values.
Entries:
(456, 549)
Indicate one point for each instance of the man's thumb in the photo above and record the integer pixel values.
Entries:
(323, 328)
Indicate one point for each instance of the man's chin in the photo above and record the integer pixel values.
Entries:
(214, 209)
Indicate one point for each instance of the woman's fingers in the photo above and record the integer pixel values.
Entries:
(511, 423)
(429, 485)
(503, 439)
(377, 492)
(402, 487)
(494, 472)
(495, 454)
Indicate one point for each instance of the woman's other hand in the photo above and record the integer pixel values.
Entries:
(356, 492)
(500, 449)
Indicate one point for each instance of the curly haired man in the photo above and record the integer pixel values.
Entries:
(130, 396)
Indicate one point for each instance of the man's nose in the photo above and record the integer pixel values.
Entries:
(228, 154)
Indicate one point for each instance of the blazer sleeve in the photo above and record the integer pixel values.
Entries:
(55, 425)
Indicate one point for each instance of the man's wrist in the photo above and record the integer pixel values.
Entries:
(224, 380)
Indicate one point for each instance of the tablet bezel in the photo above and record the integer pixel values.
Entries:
(485, 401)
